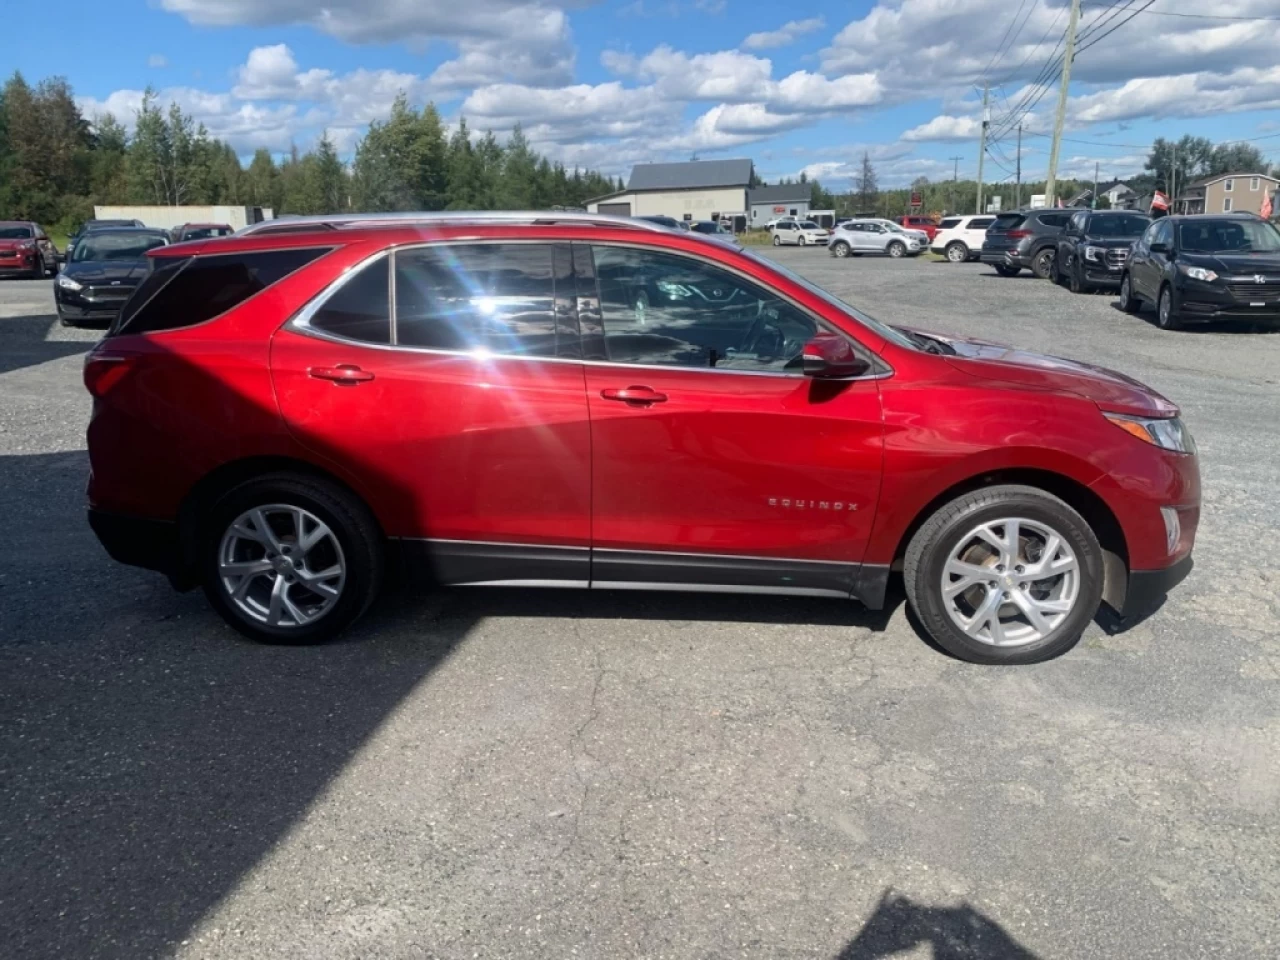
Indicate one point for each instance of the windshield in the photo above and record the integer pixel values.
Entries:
(1228, 236)
(15, 233)
(1115, 225)
(102, 245)
(871, 323)
(809, 225)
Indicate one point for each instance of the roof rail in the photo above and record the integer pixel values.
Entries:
(533, 217)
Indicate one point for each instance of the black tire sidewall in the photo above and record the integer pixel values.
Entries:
(345, 516)
(1129, 303)
(926, 592)
(1043, 268)
(1172, 322)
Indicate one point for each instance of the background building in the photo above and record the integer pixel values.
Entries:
(770, 203)
(696, 190)
(1226, 193)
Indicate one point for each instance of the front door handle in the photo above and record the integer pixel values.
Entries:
(634, 396)
(344, 374)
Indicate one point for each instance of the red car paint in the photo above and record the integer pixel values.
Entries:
(494, 449)
(916, 222)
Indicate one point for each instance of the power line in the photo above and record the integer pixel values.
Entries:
(1000, 48)
(1209, 16)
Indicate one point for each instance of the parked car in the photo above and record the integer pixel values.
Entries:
(89, 226)
(961, 238)
(915, 221)
(1206, 267)
(742, 430)
(712, 228)
(1024, 240)
(802, 233)
(857, 237)
(671, 223)
(102, 272)
(1094, 247)
(200, 231)
(26, 248)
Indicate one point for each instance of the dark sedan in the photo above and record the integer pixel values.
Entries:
(89, 226)
(102, 271)
(1094, 247)
(1197, 269)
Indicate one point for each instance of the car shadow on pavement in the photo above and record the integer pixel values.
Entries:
(953, 933)
(1148, 315)
(26, 342)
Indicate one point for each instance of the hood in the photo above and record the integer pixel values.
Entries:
(1111, 391)
(99, 272)
(1229, 264)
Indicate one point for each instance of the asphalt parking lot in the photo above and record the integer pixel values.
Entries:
(524, 774)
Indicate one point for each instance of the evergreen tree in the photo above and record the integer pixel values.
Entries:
(462, 182)
(519, 169)
(865, 185)
(262, 187)
(331, 177)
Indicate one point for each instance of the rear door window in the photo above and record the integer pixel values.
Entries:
(201, 288)
(498, 297)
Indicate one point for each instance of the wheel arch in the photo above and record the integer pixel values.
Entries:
(1095, 510)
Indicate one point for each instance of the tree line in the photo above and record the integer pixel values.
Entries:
(56, 164)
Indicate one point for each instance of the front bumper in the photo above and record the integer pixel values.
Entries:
(1147, 589)
(1207, 302)
(1101, 275)
(22, 263)
(75, 305)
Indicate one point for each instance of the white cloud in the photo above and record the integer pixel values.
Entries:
(157, 60)
(945, 128)
(246, 126)
(788, 33)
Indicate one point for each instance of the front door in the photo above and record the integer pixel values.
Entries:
(715, 461)
(463, 418)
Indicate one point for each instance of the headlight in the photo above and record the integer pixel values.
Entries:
(66, 283)
(1199, 273)
(1095, 253)
(1166, 432)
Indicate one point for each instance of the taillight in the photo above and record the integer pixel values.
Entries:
(1018, 234)
(102, 371)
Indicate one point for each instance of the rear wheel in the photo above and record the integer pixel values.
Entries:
(1043, 263)
(1007, 574)
(841, 249)
(1007, 271)
(1128, 302)
(896, 249)
(957, 252)
(290, 559)
(1167, 310)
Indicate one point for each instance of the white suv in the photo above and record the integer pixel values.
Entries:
(800, 232)
(961, 238)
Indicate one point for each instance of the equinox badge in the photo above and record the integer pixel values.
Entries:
(788, 504)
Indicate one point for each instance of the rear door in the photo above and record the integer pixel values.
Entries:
(715, 462)
(976, 232)
(461, 413)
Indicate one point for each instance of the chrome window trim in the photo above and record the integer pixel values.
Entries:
(300, 322)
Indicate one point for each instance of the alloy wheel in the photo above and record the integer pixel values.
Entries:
(1010, 582)
(281, 565)
(957, 253)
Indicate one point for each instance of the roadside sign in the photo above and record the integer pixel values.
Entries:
(916, 200)
(994, 205)
(1037, 201)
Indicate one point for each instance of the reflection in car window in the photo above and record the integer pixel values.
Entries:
(675, 311)
(497, 297)
(360, 309)
(1116, 225)
(1228, 236)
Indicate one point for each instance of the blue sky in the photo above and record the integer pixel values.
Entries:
(796, 86)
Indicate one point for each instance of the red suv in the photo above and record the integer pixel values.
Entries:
(917, 222)
(560, 400)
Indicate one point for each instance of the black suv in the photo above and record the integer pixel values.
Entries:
(1094, 247)
(1206, 267)
(1024, 239)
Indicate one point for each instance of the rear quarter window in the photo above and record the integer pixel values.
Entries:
(197, 289)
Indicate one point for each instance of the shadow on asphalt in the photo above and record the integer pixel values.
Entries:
(1148, 315)
(953, 933)
(25, 343)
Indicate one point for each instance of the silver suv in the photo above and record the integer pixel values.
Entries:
(856, 237)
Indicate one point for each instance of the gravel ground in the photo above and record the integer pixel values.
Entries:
(503, 773)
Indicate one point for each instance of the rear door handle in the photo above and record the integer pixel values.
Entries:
(634, 396)
(344, 374)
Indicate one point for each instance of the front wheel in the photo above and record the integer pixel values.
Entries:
(1075, 282)
(777, 240)
(957, 252)
(896, 249)
(1128, 302)
(841, 249)
(1005, 575)
(290, 559)
(1167, 310)
(1043, 263)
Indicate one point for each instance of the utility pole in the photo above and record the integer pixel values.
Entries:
(1051, 185)
(1017, 202)
(982, 144)
(1093, 197)
(955, 178)
(1173, 178)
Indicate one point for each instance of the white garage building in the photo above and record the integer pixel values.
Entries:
(696, 190)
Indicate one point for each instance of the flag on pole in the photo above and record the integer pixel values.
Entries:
(1265, 212)
(1160, 202)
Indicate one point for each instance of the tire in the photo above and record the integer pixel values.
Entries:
(1075, 282)
(1045, 263)
(896, 249)
(51, 269)
(841, 249)
(951, 529)
(1007, 271)
(777, 240)
(1128, 302)
(358, 554)
(37, 272)
(957, 252)
(1167, 310)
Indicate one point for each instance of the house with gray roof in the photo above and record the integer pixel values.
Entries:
(694, 190)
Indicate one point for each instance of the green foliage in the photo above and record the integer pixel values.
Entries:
(1177, 164)
(865, 187)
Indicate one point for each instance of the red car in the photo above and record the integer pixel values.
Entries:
(573, 400)
(26, 248)
(917, 222)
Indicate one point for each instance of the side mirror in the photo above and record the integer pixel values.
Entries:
(1159, 248)
(831, 357)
